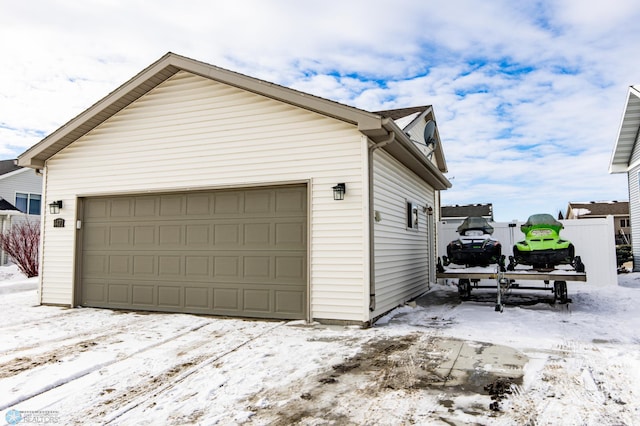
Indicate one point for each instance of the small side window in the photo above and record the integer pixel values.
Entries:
(412, 215)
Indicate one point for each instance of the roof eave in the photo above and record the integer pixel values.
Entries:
(627, 133)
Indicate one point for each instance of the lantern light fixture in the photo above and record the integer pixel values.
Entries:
(339, 190)
(54, 208)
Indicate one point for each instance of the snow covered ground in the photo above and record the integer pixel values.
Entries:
(433, 362)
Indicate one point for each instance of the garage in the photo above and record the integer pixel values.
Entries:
(240, 252)
(189, 189)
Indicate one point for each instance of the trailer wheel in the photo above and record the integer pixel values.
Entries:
(560, 291)
(464, 288)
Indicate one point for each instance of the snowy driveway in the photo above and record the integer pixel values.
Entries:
(433, 363)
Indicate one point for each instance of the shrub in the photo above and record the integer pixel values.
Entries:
(21, 242)
(623, 254)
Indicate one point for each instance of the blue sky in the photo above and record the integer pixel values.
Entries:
(528, 96)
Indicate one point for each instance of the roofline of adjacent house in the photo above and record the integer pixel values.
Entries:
(617, 167)
(13, 172)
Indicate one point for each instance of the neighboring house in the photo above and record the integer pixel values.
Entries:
(458, 213)
(618, 209)
(196, 189)
(20, 197)
(626, 159)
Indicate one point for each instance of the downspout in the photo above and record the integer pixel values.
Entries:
(372, 269)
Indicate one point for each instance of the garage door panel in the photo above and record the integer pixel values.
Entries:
(118, 293)
(95, 264)
(120, 236)
(170, 236)
(227, 235)
(143, 295)
(227, 203)
(199, 235)
(197, 266)
(95, 209)
(289, 234)
(291, 302)
(94, 292)
(289, 268)
(169, 266)
(226, 267)
(197, 298)
(240, 252)
(256, 300)
(226, 299)
(144, 265)
(144, 207)
(257, 267)
(121, 208)
(170, 296)
(258, 202)
(171, 206)
(96, 236)
(144, 235)
(119, 265)
(257, 235)
(199, 205)
(290, 202)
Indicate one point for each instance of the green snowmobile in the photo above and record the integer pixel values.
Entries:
(542, 247)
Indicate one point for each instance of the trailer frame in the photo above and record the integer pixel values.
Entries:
(506, 280)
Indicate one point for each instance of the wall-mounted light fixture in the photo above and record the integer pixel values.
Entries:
(339, 190)
(55, 207)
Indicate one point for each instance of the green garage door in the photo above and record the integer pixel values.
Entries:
(232, 252)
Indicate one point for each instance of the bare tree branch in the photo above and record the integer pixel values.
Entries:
(21, 242)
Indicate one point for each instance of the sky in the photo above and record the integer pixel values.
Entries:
(528, 96)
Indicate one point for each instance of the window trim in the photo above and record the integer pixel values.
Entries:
(29, 197)
(412, 216)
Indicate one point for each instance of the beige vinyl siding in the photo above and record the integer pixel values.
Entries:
(401, 254)
(194, 133)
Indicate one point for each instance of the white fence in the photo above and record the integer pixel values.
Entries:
(593, 239)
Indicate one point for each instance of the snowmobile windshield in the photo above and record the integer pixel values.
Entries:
(539, 220)
(475, 223)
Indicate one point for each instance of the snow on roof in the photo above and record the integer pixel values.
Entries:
(581, 212)
(403, 122)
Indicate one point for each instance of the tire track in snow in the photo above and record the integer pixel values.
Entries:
(38, 320)
(575, 383)
(72, 336)
(39, 389)
(164, 381)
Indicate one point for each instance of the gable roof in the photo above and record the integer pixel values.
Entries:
(407, 118)
(396, 114)
(599, 208)
(627, 134)
(375, 126)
